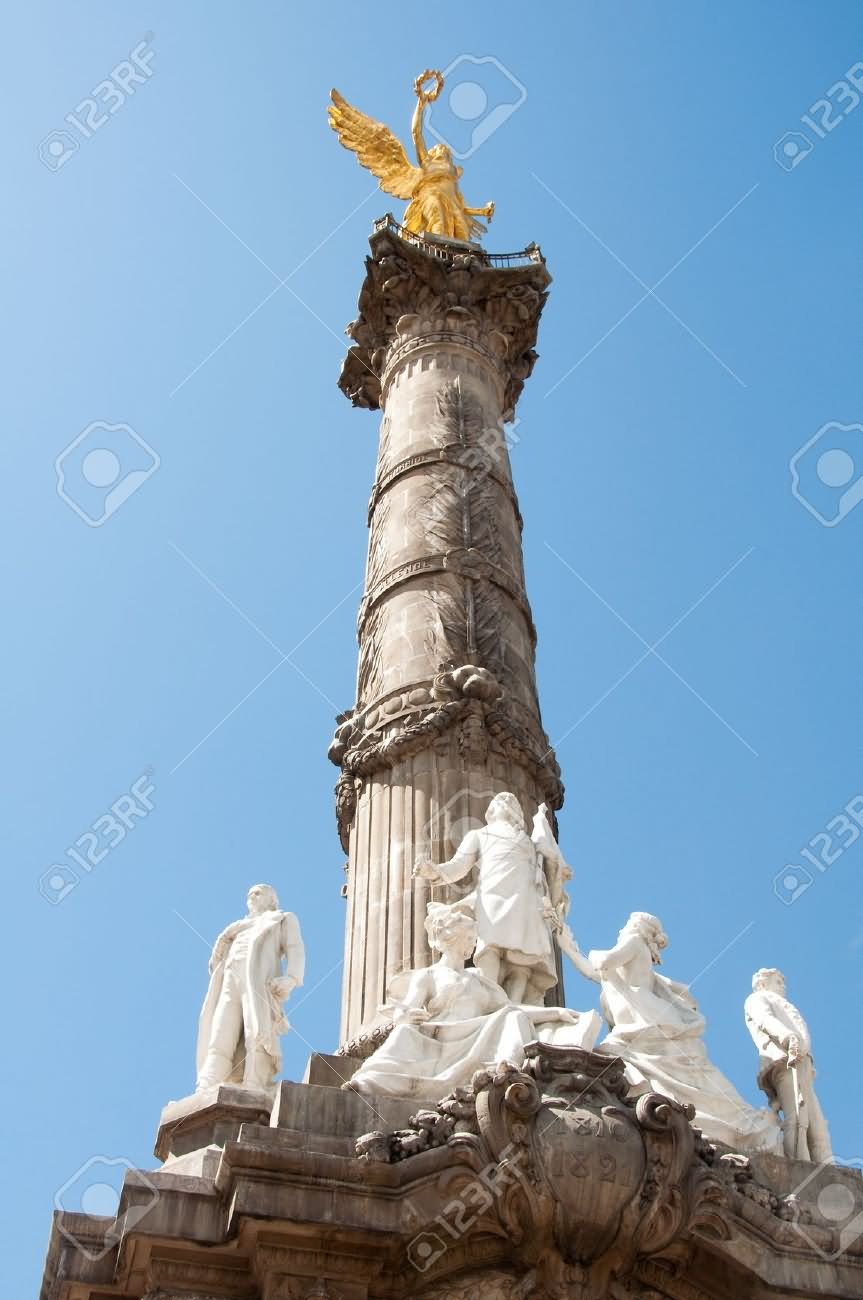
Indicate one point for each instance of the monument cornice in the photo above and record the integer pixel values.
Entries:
(414, 296)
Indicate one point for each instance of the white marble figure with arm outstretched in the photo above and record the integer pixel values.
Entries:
(514, 944)
(655, 1026)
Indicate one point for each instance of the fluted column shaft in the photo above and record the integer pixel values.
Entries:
(447, 712)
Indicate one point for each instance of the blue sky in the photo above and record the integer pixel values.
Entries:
(702, 329)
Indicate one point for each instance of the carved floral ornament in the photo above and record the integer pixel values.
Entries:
(410, 297)
(466, 696)
(583, 1190)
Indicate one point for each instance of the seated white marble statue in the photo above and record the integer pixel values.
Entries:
(656, 1028)
(449, 1021)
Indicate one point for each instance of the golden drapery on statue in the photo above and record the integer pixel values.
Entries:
(437, 204)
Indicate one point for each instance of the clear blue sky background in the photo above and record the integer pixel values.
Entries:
(657, 469)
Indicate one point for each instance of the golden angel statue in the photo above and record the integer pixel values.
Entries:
(437, 204)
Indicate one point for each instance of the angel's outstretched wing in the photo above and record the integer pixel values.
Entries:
(376, 147)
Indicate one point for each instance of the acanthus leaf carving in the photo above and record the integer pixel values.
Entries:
(466, 696)
(410, 293)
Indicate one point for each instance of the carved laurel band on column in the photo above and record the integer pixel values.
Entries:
(449, 455)
(461, 562)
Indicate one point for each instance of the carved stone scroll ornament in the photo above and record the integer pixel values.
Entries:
(579, 1182)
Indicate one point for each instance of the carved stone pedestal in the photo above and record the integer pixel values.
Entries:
(543, 1183)
(210, 1118)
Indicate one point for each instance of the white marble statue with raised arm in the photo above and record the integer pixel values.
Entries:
(786, 1071)
(242, 1017)
(449, 1020)
(656, 1028)
(510, 898)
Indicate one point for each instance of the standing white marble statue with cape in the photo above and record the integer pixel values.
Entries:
(242, 1017)
(656, 1028)
(449, 1021)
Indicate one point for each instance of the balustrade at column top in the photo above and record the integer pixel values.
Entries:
(449, 249)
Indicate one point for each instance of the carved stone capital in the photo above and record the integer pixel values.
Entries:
(413, 298)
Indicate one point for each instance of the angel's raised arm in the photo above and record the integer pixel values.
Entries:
(425, 94)
(417, 129)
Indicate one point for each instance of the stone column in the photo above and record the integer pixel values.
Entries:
(447, 712)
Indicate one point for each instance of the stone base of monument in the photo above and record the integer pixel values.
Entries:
(330, 1071)
(540, 1183)
(211, 1117)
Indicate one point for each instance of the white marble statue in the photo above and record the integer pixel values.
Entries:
(556, 869)
(557, 904)
(242, 1017)
(511, 901)
(656, 1028)
(786, 1071)
(449, 1021)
